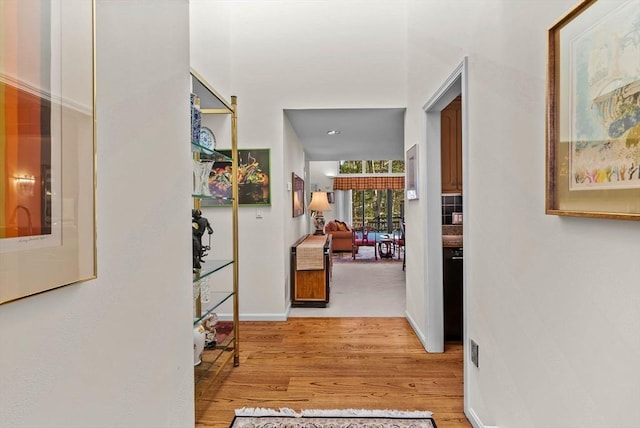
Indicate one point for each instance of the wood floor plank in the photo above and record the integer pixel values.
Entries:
(336, 363)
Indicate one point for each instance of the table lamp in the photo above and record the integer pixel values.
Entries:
(319, 203)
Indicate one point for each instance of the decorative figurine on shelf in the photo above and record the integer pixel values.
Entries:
(199, 224)
(209, 325)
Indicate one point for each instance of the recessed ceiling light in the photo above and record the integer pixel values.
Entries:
(333, 132)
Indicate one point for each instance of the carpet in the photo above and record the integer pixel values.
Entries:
(223, 330)
(351, 418)
(363, 290)
(365, 255)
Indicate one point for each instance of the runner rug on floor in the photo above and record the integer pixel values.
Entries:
(352, 418)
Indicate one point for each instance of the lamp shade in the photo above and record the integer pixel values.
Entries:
(319, 202)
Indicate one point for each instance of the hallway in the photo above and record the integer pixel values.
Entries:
(336, 363)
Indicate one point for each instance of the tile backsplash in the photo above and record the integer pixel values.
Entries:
(451, 203)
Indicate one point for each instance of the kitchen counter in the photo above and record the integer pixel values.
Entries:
(451, 241)
(452, 236)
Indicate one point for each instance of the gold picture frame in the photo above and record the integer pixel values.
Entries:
(47, 148)
(593, 112)
(297, 195)
(412, 173)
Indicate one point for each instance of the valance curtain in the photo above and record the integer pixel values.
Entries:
(365, 183)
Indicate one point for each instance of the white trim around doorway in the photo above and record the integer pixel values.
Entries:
(454, 85)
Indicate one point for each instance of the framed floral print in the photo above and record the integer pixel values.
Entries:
(593, 112)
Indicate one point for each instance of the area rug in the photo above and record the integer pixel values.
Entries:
(365, 255)
(223, 330)
(349, 418)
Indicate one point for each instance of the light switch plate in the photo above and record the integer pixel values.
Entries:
(475, 353)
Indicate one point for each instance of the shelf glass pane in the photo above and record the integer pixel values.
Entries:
(209, 267)
(216, 298)
(212, 198)
(213, 360)
(212, 155)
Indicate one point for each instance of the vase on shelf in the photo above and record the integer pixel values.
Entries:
(199, 336)
(196, 119)
(201, 172)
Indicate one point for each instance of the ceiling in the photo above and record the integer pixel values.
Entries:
(365, 134)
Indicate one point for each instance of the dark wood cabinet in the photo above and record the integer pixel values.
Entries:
(311, 274)
(452, 281)
(451, 147)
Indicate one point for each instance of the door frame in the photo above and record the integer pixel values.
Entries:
(454, 85)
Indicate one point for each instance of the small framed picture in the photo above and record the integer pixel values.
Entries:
(331, 197)
(412, 173)
(298, 195)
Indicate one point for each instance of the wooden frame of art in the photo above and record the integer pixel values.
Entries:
(254, 186)
(297, 195)
(47, 147)
(593, 112)
(412, 173)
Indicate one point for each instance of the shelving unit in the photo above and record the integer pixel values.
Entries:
(215, 358)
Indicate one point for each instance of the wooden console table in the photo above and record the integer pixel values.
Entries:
(311, 271)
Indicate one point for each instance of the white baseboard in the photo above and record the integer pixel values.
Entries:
(254, 317)
(475, 420)
(263, 317)
(421, 337)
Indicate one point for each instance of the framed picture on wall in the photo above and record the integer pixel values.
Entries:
(412, 173)
(593, 112)
(297, 184)
(47, 149)
(254, 184)
(331, 197)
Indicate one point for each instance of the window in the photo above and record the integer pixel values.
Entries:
(381, 210)
(377, 167)
(350, 167)
(397, 166)
(377, 192)
(371, 167)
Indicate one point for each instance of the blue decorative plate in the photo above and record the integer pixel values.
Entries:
(207, 139)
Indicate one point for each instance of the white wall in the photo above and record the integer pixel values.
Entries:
(117, 351)
(210, 44)
(302, 54)
(553, 301)
(293, 227)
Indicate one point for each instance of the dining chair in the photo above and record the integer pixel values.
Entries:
(398, 242)
(363, 237)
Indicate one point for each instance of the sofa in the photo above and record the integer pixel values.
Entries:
(340, 232)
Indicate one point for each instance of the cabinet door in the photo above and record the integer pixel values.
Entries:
(451, 147)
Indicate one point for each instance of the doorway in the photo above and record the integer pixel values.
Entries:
(453, 87)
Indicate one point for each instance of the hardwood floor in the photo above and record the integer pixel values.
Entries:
(336, 363)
